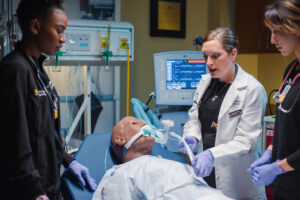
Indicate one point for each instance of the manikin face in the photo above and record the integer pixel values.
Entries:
(128, 127)
(50, 35)
(218, 61)
(286, 43)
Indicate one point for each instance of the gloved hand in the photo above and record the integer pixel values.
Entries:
(266, 174)
(203, 163)
(82, 174)
(264, 159)
(42, 197)
(191, 141)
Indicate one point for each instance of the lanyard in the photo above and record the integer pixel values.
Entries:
(280, 95)
(288, 74)
(52, 97)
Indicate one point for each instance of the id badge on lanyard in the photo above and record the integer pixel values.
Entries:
(50, 93)
(279, 97)
(55, 101)
(55, 108)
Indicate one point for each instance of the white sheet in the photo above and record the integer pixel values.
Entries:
(150, 177)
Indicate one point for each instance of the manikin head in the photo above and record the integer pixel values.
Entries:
(123, 132)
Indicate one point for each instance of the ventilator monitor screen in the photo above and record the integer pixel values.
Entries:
(177, 75)
(184, 74)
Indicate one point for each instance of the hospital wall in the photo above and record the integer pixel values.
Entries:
(137, 12)
(267, 68)
(201, 16)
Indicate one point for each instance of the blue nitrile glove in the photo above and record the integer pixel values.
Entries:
(82, 174)
(191, 141)
(203, 163)
(266, 174)
(42, 197)
(264, 159)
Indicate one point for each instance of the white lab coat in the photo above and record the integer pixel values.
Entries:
(154, 178)
(237, 136)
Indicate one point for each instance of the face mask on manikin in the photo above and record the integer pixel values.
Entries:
(159, 134)
(147, 130)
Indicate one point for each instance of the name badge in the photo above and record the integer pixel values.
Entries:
(235, 113)
(39, 93)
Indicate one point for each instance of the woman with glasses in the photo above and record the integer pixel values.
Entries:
(32, 149)
(279, 166)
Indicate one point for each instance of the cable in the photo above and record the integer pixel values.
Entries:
(269, 100)
(150, 97)
(196, 42)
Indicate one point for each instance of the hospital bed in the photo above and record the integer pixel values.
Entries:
(94, 153)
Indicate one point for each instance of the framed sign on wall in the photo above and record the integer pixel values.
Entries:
(167, 18)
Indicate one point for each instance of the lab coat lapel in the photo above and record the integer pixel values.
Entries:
(206, 82)
(232, 92)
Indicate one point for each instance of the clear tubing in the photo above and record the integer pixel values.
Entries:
(189, 151)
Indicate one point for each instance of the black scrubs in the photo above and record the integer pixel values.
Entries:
(286, 142)
(208, 115)
(31, 145)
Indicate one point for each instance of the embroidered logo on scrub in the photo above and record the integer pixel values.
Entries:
(235, 113)
(214, 125)
(39, 93)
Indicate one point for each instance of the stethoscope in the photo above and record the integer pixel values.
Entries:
(50, 93)
(280, 96)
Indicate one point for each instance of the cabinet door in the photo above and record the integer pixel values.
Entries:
(266, 46)
(253, 35)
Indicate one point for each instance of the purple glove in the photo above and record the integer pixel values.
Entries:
(82, 173)
(264, 159)
(191, 141)
(203, 163)
(42, 197)
(266, 174)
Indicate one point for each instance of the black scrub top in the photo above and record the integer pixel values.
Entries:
(31, 147)
(209, 111)
(208, 116)
(286, 141)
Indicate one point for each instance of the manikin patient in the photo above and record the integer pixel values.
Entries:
(143, 176)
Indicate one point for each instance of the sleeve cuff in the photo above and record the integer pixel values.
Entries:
(293, 161)
(67, 159)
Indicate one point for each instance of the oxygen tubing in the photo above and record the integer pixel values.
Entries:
(189, 151)
(188, 180)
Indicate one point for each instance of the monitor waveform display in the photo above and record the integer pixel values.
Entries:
(184, 74)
